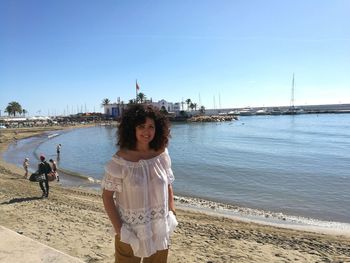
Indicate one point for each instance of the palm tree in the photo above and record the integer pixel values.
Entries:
(8, 110)
(105, 102)
(13, 108)
(195, 106)
(141, 97)
(192, 106)
(202, 110)
(24, 112)
(188, 101)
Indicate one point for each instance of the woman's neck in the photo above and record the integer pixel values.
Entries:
(143, 148)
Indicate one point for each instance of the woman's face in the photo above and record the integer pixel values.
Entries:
(145, 132)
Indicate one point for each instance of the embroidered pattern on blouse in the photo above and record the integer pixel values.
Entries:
(112, 183)
(141, 217)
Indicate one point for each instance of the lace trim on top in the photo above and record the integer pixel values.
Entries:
(112, 183)
(142, 216)
(118, 168)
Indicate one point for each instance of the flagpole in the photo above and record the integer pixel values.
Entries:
(136, 92)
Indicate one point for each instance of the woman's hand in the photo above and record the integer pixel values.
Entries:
(117, 229)
(111, 209)
(171, 203)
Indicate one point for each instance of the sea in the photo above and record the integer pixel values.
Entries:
(288, 168)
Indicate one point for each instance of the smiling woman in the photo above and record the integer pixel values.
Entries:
(145, 133)
(137, 187)
(135, 118)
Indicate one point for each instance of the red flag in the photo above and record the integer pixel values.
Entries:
(137, 87)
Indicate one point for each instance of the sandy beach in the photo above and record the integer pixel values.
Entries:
(73, 221)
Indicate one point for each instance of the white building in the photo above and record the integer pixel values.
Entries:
(114, 110)
(168, 106)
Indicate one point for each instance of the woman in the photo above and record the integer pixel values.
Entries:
(137, 187)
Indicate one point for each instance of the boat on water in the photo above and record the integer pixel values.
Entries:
(233, 113)
(262, 112)
(292, 109)
(246, 112)
(276, 111)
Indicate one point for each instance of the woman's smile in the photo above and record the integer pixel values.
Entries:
(145, 132)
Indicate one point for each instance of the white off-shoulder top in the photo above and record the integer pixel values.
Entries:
(141, 192)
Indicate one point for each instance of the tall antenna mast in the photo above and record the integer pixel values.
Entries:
(292, 97)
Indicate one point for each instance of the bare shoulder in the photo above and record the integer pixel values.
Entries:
(159, 152)
(122, 153)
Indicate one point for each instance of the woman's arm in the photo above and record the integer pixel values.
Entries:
(171, 202)
(111, 210)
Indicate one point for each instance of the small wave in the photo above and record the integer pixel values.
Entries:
(264, 217)
(93, 180)
(52, 135)
(79, 175)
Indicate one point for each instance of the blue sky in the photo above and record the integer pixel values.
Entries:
(66, 56)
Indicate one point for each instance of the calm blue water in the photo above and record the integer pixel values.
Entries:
(298, 165)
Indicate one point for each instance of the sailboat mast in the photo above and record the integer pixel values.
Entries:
(292, 97)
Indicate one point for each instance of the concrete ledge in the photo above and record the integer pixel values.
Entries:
(18, 248)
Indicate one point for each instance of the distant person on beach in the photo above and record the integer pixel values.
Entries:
(137, 187)
(25, 167)
(44, 168)
(58, 149)
(54, 169)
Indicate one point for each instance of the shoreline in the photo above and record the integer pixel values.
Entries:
(73, 178)
(73, 220)
(212, 207)
(216, 208)
(266, 218)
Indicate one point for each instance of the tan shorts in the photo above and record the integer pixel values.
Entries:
(124, 254)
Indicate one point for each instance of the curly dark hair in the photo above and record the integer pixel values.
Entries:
(135, 115)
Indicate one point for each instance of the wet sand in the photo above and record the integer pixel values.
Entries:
(73, 221)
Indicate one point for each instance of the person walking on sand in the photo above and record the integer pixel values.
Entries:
(137, 187)
(54, 169)
(44, 168)
(26, 166)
